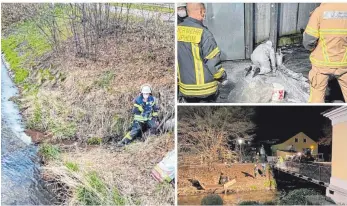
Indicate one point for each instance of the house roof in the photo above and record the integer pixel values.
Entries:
(300, 133)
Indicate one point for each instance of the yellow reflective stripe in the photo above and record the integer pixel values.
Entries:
(140, 118)
(344, 59)
(198, 87)
(325, 63)
(312, 29)
(333, 31)
(155, 113)
(213, 53)
(199, 69)
(198, 93)
(312, 32)
(325, 53)
(219, 74)
(178, 73)
(138, 107)
(189, 34)
(127, 136)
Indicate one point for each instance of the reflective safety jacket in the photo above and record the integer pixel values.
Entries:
(144, 111)
(199, 64)
(326, 36)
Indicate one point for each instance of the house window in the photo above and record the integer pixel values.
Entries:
(296, 140)
(304, 140)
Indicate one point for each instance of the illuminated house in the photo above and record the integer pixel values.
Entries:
(298, 143)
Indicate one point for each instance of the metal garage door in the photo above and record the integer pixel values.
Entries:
(226, 22)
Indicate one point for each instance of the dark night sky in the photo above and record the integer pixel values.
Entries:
(283, 122)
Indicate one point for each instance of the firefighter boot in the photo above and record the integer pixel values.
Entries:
(248, 70)
(256, 71)
(123, 142)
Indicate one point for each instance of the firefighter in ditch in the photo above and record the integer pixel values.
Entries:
(199, 66)
(145, 115)
(326, 37)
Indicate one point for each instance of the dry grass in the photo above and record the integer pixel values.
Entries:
(128, 170)
(95, 98)
(77, 98)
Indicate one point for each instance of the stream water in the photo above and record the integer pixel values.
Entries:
(20, 174)
(285, 184)
(232, 199)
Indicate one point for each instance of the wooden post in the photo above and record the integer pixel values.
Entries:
(274, 24)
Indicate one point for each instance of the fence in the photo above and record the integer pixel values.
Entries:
(316, 171)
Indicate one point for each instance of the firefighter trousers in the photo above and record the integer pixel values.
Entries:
(138, 127)
(319, 77)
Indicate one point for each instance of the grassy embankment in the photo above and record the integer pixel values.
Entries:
(75, 99)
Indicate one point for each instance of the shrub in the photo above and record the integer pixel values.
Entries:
(297, 197)
(212, 199)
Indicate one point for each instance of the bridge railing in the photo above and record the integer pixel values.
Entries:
(321, 172)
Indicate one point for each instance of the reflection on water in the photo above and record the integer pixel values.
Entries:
(235, 198)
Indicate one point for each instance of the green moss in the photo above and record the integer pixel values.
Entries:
(71, 166)
(22, 48)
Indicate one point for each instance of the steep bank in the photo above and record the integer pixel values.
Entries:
(81, 99)
(209, 175)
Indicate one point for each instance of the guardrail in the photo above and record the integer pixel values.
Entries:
(310, 171)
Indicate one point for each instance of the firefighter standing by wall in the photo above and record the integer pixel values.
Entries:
(145, 115)
(326, 37)
(199, 64)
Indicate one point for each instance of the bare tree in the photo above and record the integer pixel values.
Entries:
(327, 133)
(207, 131)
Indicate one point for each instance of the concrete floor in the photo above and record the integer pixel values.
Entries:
(293, 75)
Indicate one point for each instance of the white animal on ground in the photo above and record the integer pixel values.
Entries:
(263, 56)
